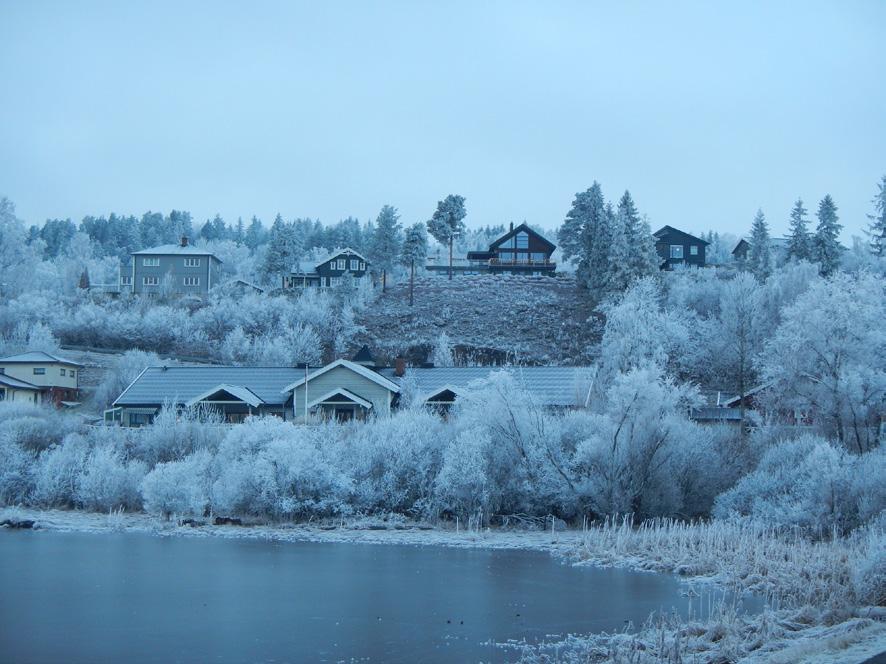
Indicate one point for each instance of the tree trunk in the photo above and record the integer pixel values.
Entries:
(411, 281)
(384, 280)
(450, 259)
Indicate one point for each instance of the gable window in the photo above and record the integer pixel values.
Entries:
(341, 263)
(507, 244)
(126, 281)
(362, 266)
(150, 281)
(151, 262)
(676, 251)
(355, 265)
(39, 371)
(693, 250)
(191, 281)
(522, 240)
(192, 262)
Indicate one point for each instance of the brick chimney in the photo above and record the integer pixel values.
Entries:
(184, 240)
(399, 367)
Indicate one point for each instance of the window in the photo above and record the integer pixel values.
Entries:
(150, 281)
(334, 281)
(538, 258)
(693, 250)
(341, 263)
(126, 281)
(676, 251)
(355, 265)
(191, 281)
(507, 244)
(39, 371)
(506, 256)
(151, 262)
(62, 371)
(362, 266)
(522, 240)
(192, 262)
(72, 373)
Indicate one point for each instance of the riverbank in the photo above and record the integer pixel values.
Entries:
(809, 619)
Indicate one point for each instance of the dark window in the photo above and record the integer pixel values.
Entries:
(522, 240)
(39, 371)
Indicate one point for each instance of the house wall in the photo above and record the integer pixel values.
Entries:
(663, 247)
(51, 376)
(174, 265)
(344, 378)
(18, 395)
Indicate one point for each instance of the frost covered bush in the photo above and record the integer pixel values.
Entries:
(127, 368)
(58, 471)
(177, 433)
(110, 481)
(179, 487)
(462, 485)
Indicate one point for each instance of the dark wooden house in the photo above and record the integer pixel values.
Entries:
(329, 271)
(676, 247)
(519, 251)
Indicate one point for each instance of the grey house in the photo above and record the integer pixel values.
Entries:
(676, 247)
(329, 271)
(170, 268)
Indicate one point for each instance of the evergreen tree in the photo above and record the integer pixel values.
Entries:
(877, 230)
(827, 244)
(83, 284)
(255, 234)
(283, 250)
(642, 257)
(386, 242)
(415, 250)
(760, 253)
(447, 222)
(799, 241)
(179, 226)
(239, 231)
(586, 236)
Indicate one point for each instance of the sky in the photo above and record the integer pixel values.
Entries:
(704, 111)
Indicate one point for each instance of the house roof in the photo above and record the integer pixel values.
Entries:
(550, 386)
(175, 250)
(774, 242)
(666, 230)
(374, 376)
(346, 251)
(521, 228)
(158, 384)
(15, 383)
(243, 394)
(37, 357)
(350, 396)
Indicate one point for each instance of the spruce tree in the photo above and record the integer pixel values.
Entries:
(827, 244)
(415, 250)
(254, 234)
(643, 259)
(877, 230)
(239, 231)
(283, 249)
(447, 222)
(799, 240)
(760, 253)
(585, 236)
(386, 242)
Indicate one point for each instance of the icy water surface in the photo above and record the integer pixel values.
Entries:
(125, 597)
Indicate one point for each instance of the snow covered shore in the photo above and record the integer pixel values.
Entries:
(794, 631)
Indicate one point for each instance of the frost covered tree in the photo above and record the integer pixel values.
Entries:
(386, 242)
(125, 370)
(877, 230)
(446, 225)
(585, 238)
(254, 234)
(642, 256)
(826, 244)
(442, 354)
(282, 251)
(799, 240)
(827, 359)
(760, 253)
(415, 250)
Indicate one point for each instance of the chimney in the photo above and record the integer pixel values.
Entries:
(399, 367)
(512, 225)
(185, 240)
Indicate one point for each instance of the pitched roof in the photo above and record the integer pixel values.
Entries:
(522, 227)
(664, 230)
(9, 381)
(374, 376)
(335, 254)
(550, 386)
(244, 394)
(37, 356)
(158, 384)
(350, 396)
(175, 250)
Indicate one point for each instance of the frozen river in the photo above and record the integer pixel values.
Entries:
(137, 598)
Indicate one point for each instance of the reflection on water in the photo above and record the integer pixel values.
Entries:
(136, 598)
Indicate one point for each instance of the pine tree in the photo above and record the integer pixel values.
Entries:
(283, 249)
(239, 232)
(255, 234)
(827, 244)
(799, 241)
(585, 236)
(447, 223)
(83, 284)
(415, 250)
(386, 242)
(760, 253)
(639, 254)
(877, 230)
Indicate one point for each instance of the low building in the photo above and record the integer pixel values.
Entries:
(778, 249)
(329, 271)
(678, 248)
(170, 269)
(13, 389)
(343, 390)
(519, 251)
(55, 378)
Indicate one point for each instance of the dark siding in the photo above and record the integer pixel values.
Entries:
(668, 237)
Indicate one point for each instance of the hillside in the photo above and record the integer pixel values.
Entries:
(531, 320)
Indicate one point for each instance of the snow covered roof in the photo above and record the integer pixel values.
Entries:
(9, 381)
(244, 394)
(156, 385)
(37, 356)
(336, 254)
(550, 386)
(349, 396)
(175, 250)
(374, 376)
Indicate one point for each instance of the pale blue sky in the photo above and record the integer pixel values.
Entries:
(704, 110)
